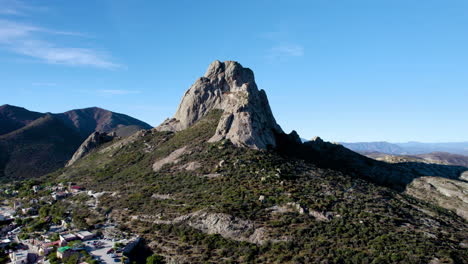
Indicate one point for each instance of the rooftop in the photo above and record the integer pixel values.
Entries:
(68, 236)
(84, 233)
(63, 249)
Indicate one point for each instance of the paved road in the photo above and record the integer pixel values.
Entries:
(102, 252)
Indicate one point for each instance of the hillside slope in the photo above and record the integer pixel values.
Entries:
(13, 118)
(195, 202)
(34, 144)
(37, 148)
(199, 200)
(450, 193)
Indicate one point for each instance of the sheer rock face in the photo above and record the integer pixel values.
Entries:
(94, 140)
(247, 119)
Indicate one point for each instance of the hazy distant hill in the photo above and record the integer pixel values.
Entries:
(444, 158)
(421, 148)
(33, 144)
(383, 147)
(408, 148)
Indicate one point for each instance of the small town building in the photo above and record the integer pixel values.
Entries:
(36, 188)
(59, 195)
(67, 237)
(19, 257)
(29, 211)
(46, 248)
(130, 246)
(75, 188)
(17, 205)
(64, 252)
(5, 242)
(84, 235)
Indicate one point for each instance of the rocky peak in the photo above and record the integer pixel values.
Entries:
(94, 140)
(247, 119)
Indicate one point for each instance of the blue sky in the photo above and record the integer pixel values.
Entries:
(343, 70)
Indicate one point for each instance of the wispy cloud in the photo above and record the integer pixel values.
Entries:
(283, 50)
(282, 44)
(15, 7)
(31, 40)
(117, 92)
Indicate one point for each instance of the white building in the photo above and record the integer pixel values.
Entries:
(19, 257)
(67, 237)
(84, 235)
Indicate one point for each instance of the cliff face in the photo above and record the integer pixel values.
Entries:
(247, 119)
(94, 140)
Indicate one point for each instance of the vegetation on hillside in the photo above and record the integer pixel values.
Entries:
(327, 216)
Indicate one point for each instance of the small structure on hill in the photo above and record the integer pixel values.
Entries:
(84, 235)
(67, 237)
(64, 252)
(19, 257)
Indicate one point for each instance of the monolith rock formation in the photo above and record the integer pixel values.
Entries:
(94, 140)
(247, 119)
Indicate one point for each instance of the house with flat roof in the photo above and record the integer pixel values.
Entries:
(19, 257)
(64, 252)
(67, 237)
(59, 195)
(84, 235)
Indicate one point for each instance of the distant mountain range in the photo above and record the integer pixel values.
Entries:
(409, 148)
(443, 158)
(33, 143)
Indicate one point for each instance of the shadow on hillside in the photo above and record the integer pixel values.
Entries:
(337, 157)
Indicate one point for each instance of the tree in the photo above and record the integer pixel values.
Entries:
(73, 259)
(155, 259)
(44, 211)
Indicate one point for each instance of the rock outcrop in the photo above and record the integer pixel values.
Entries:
(247, 119)
(447, 193)
(94, 140)
(172, 158)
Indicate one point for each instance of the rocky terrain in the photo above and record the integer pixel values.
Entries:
(93, 141)
(220, 182)
(446, 193)
(247, 119)
(34, 144)
(443, 158)
(449, 193)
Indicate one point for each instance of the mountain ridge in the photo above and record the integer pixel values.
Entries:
(28, 134)
(410, 148)
(195, 200)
